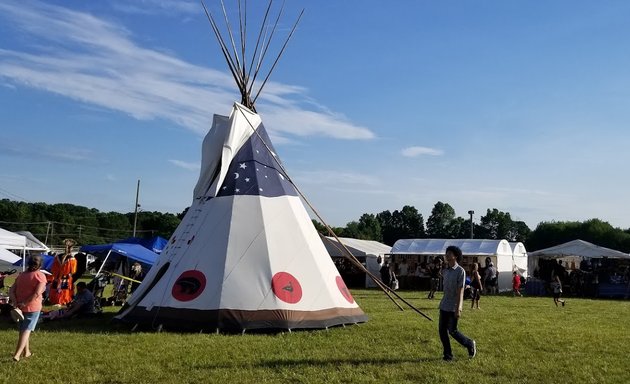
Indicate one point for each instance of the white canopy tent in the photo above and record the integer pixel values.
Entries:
(575, 248)
(11, 240)
(7, 258)
(32, 242)
(519, 258)
(368, 249)
(473, 250)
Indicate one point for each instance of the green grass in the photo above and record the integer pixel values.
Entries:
(520, 340)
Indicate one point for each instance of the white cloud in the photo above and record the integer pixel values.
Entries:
(420, 151)
(94, 61)
(289, 119)
(155, 7)
(110, 177)
(17, 149)
(186, 165)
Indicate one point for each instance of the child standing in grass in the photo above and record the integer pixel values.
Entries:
(475, 284)
(556, 285)
(516, 284)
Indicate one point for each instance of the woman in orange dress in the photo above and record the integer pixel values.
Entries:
(63, 267)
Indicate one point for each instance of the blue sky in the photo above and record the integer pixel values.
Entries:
(515, 105)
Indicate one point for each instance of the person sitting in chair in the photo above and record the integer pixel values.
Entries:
(83, 303)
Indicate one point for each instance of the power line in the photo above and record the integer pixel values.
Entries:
(12, 195)
(77, 225)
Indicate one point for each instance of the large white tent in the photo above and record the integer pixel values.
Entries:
(474, 250)
(369, 250)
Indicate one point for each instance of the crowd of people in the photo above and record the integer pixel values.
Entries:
(582, 279)
(414, 276)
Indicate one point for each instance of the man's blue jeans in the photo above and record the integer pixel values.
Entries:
(448, 326)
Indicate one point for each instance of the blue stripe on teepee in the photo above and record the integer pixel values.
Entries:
(254, 171)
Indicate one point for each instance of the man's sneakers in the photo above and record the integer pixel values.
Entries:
(472, 350)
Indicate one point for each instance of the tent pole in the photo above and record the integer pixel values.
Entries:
(23, 259)
(103, 264)
(358, 264)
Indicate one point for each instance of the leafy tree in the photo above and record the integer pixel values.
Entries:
(154, 223)
(519, 231)
(440, 224)
(499, 225)
(370, 228)
(548, 234)
(459, 228)
(351, 230)
(388, 231)
(181, 215)
(407, 223)
(319, 227)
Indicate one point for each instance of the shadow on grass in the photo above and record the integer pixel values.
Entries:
(103, 323)
(332, 363)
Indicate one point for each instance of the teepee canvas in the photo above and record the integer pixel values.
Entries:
(246, 255)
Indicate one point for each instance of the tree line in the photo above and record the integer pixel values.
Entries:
(408, 223)
(443, 223)
(54, 222)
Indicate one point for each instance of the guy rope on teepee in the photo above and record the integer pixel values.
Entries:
(246, 256)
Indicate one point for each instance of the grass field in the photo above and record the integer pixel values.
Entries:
(520, 340)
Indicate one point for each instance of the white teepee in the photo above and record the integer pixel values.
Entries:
(246, 255)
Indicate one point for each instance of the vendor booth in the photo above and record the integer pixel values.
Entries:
(422, 251)
(585, 269)
(369, 252)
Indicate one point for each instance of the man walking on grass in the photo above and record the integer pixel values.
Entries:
(454, 279)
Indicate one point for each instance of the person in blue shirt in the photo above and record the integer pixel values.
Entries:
(453, 280)
(83, 303)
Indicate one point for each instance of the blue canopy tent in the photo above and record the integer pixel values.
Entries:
(47, 261)
(156, 244)
(118, 257)
(114, 251)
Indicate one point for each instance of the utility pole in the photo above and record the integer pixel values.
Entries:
(471, 213)
(47, 232)
(52, 231)
(135, 215)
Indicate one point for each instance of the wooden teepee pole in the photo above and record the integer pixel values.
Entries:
(345, 252)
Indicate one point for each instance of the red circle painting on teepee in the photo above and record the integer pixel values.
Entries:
(344, 290)
(189, 285)
(286, 287)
